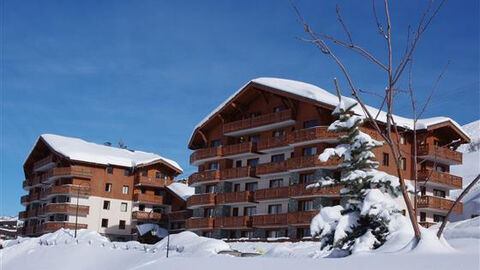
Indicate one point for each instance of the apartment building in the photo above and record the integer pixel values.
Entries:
(259, 149)
(72, 183)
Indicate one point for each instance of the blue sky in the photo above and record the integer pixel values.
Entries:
(147, 71)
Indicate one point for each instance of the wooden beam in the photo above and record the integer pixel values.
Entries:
(238, 107)
(264, 95)
(221, 118)
(204, 138)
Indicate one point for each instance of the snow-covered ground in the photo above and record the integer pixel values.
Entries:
(60, 250)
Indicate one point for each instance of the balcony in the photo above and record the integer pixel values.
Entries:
(310, 162)
(238, 173)
(239, 149)
(143, 215)
(438, 204)
(301, 190)
(148, 198)
(272, 143)
(53, 226)
(200, 223)
(301, 218)
(440, 178)
(313, 135)
(72, 171)
(271, 194)
(439, 154)
(44, 164)
(66, 190)
(24, 199)
(273, 220)
(22, 215)
(34, 196)
(151, 181)
(201, 200)
(205, 154)
(204, 177)
(233, 222)
(26, 184)
(65, 208)
(259, 123)
(272, 168)
(179, 215)
(235, 197)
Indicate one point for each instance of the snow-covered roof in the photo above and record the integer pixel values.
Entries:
(318, 94)
(182, 190)
(80, 150)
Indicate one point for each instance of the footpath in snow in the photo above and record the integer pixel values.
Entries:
(90, 250)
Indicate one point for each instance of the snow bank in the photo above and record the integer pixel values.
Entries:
(191, 245)
(182, 190)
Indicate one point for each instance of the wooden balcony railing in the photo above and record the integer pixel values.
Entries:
(235, 173)
(310, 162)
(258, 121)
(65, 208)
(271, 193)
(151, 181)
(440, 178)
(270, 220)
(312, 134)
(301, 218)
(144, 215)
(148, 198)
(179, 215)
(22, 215)
(271, 168)
(42, 162)
(272, 142)
(200, 223)
(233, 222)
(52, 226)
(440, 153)
(24, 199)
(235, 197)
(67, 190)
(240, 148)
(33, 196)
(438, 203)
(201, 199)
(301, 190)
(206, 153)
(204, 176)
(75, 171)
(426, 224)
(26, 183)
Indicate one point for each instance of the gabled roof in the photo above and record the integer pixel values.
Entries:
(79, 150)
(322, 97)
(182, 190)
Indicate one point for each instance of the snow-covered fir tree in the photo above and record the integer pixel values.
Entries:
(361, 222)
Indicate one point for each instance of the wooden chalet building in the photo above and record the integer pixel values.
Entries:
(259, 149)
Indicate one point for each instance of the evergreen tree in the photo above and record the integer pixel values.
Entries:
(362, 221)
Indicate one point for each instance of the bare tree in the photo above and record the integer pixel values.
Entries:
(393, 74)
(464, 192)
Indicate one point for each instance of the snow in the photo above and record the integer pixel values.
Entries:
(182, 190)
(59, 250)
(318, 94)
(80, 150)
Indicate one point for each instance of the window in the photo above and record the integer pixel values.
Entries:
(208, 212)
(273, 234)
(157, 192)
(304, 232)
(439, 169)
(276, 183)
(310, 123)
(104, 223)
(110, 170)
(251, 186)
(278, 133)
(438, 218)
(403, 163)
(121, 225)
(402, 139)
(279, 108)
(123, 207)
(238, 164)
(278, 158)
(143, 190)
(213, 166)
(125, 190)
(439, 193)
(215, 143)
(423, 190)
(254, 138)
(236, 187)
(160, 175)
(106, 205)
(385, 159)
(210, 189)
(141, 207)
(307, 178)
(249, 211)
(235, 212)
(306, 205)
(247, 234)
(423, 216)
(126, 172)
(309, 151)
(274, 209)
(255, 114)
(252, 162)
(144, 172)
